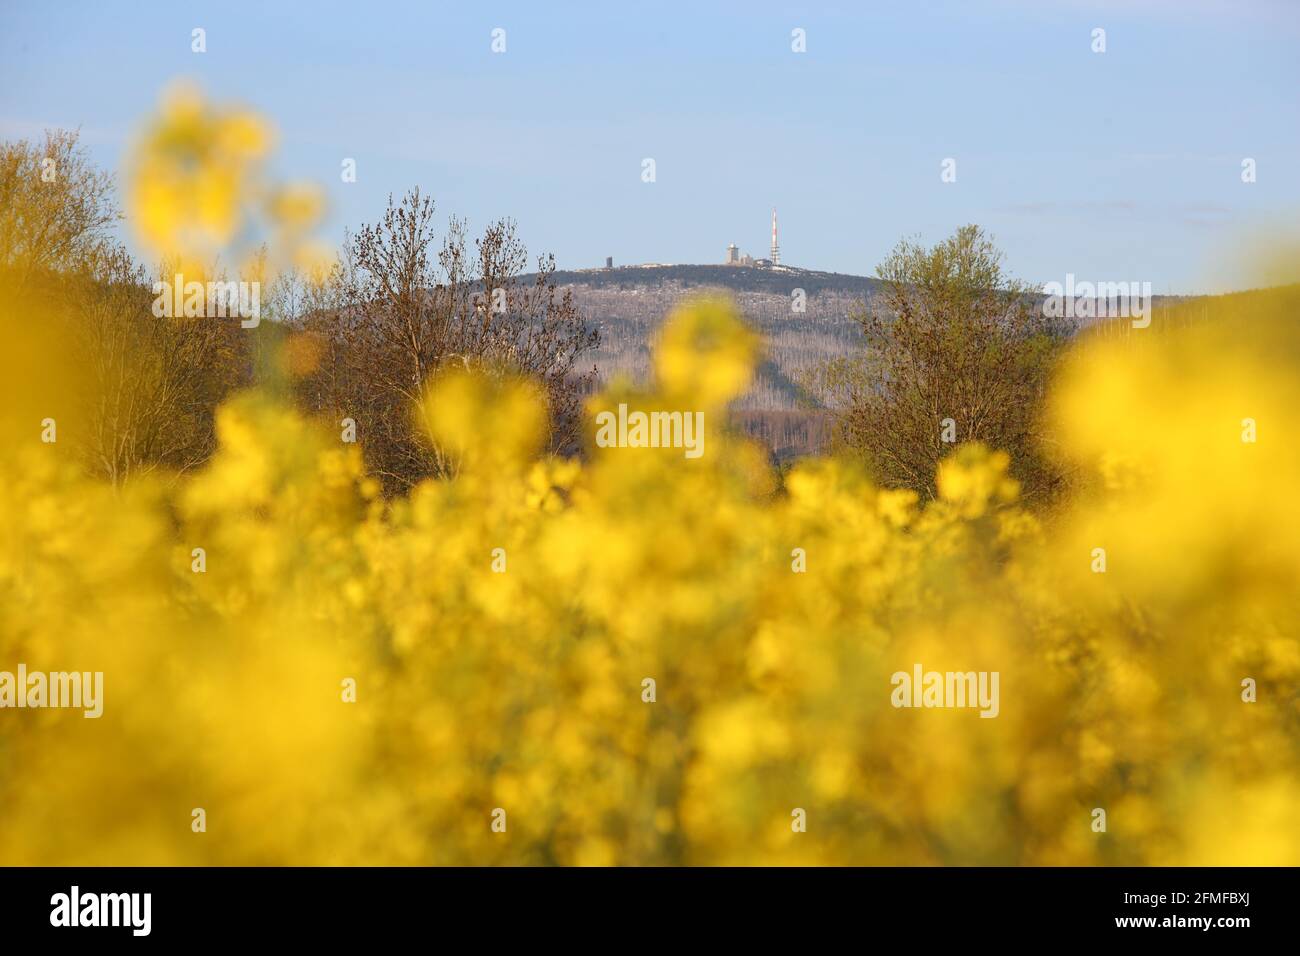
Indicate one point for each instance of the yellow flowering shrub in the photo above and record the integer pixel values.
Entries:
(647, 659)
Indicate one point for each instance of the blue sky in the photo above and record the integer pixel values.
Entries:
(1122, 165)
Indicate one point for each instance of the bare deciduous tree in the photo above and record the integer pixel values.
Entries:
(151, 385)
(55, 207)
(148, 386)
(397, 313)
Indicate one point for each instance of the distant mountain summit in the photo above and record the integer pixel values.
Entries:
(805, 316)
(771, 280)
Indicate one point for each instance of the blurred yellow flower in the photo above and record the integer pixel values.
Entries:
(705, 352)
